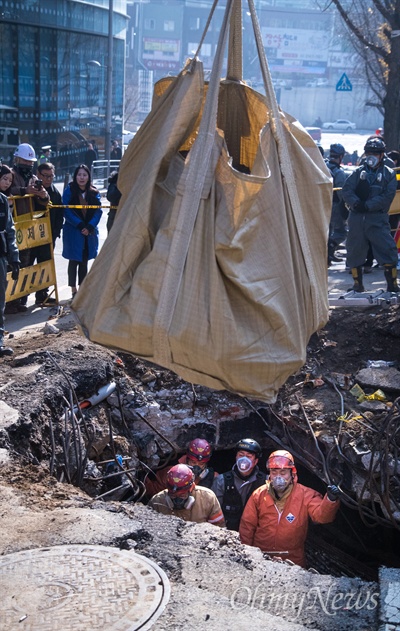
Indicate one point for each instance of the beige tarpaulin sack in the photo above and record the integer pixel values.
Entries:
(216, 264)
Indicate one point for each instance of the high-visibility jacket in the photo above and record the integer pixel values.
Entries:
(263, 526)
(205, 507)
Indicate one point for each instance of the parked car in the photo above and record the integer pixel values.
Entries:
(341, 124)
(282, 83)
(127, 136)
(317, 83)
(315, 133)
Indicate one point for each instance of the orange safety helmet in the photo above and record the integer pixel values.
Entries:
(281, 459)
(199, 449)
(180, 480)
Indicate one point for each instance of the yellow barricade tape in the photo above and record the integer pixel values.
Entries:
(31, 279)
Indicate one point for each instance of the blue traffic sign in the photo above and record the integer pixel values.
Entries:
(344, 84)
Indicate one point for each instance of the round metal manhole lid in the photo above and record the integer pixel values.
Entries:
(79, 588)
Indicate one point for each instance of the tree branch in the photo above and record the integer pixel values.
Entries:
(387, 14)
(379, 50)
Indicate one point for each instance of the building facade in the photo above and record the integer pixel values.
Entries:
(53, 71)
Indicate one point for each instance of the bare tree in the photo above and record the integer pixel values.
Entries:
(374, 29)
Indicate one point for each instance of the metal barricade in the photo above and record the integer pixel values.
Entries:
(101, 170)
(32, 229)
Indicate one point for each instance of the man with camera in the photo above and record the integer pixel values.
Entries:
(24, 184)
(46, 173)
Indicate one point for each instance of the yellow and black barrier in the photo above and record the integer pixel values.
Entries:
(32, 229)
(32, 279)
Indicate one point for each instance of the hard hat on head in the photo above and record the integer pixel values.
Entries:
(199, 449)
(180, 480)
(26, 152)
(281, 459)
(337, 149)
(375, 145)
(250, 445)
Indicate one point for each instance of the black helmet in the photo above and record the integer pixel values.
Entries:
(337, 150)
(250, 445)
(375, 145)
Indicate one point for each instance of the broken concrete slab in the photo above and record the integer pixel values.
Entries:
(389, 609)
(387, 379)
(8, 415)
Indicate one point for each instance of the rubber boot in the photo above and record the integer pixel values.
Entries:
(356, 273)
(391, 278)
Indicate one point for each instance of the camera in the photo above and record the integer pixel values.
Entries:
(38, 185)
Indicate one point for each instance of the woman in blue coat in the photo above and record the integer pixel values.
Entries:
(80, 233)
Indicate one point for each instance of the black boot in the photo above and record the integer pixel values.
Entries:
(358, 286)
(331, 252)
(391, 278)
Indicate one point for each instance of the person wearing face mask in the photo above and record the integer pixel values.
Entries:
(26, 183)
(338, 222)
(9, 254)
(197, 457)
(184, 499)
(369, 192)
(276, 516)
(234, 487)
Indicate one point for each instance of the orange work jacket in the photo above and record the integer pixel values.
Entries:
(264, 527)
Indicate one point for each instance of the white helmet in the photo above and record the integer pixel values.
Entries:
(26, 152)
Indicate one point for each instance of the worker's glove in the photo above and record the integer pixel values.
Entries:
(15, 270)
(363, 187)
(359, 207)
(332, 492)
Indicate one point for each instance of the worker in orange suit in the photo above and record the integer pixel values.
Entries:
(276, 515)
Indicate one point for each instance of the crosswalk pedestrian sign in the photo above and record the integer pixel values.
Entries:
(344, 84)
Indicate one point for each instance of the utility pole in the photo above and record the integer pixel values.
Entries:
(107, 147)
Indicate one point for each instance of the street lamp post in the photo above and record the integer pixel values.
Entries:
(109, 87)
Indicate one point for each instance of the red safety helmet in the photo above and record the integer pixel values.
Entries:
(180, 480)
(281, 459)
(199, 449)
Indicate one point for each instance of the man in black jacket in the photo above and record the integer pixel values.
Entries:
(46, 173)
(234, 487)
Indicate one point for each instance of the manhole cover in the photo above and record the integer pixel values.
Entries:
(79, 588)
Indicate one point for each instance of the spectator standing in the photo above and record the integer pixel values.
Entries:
(9, 254)
(276, 516)
(25, 183)
(369, 191)
(90, 156)
(95, 148)
(80, 232)
(116, 151)
(184, 499)
(113, 196)
(234, 487)
(46, 172)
